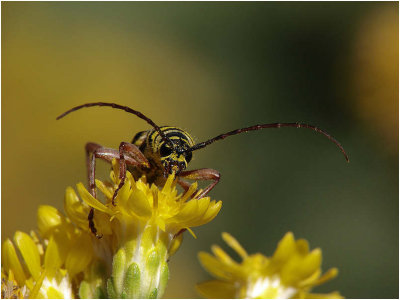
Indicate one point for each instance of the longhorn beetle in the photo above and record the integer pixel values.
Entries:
(161, 151)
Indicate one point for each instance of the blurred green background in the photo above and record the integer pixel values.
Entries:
(210, 68)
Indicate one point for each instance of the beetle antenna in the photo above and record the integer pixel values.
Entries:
(125, 108)
(263, 126)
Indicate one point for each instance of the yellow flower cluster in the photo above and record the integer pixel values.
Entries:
(39, 274)
(291, 272)
(139, 234)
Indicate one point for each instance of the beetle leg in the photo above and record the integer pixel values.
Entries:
(184, 184)
(128, 151)
(91, 223)
(202, 174)
(94, 151)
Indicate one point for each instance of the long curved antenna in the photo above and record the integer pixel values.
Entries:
(125, 108)
(271, 125)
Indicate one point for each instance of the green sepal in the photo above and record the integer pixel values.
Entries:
(164, 276)
(99, 293)
(153, 294)
(111, 294)
(85, 292)
(88, 291)
(118, 270)
(130, 249)
(153, 262)
(132, 281)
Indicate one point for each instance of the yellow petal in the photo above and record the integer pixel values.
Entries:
(52, 293)
(35, 238)
(189, 192)
(29, 252)
(212, 211)
(203, 205)
(214, 266)
(168, 185)
(139, 204)
(123, 194)
(114, 175)
(11, 262)
(80, 255)
(52, 259)
(284, 250)
(48, 219)
(330, 274)
(35, 287)
(106, 190)
(191, 232)
(234, 244)
(63, 238)
(217, 289)
(311, 280)
(222, 255)
(193, 212)
(302, 247)
(298, 269)
(75, 209)
(91, 201)
(175, 244)
(188, 210)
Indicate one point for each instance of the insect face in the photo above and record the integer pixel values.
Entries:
(174, 160)
(174, 156)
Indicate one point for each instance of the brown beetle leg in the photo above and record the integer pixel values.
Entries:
(184, 184)
(94, 151)
(202, 174)
(128, 151)
(91, 224)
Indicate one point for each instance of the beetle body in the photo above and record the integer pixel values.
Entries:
(161, 151)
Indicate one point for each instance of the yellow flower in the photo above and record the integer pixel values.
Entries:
(139, 234)
(291, 272)
(38, 274)
(142, 205)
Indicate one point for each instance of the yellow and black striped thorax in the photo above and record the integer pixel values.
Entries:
(151, 141)
(179, 137)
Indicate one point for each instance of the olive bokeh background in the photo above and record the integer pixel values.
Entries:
(210, 68)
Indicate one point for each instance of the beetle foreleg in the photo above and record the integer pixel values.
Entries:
(94, 151)
(184, 184)
(201, 174)
(91, 224)
(127, 153)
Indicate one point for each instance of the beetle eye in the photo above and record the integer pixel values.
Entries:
(188, 156)
(165, 150)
